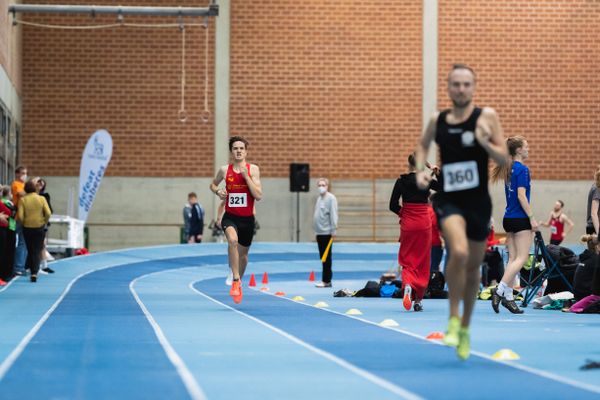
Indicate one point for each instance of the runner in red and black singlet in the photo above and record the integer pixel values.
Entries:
(240, 201)
(557, 221)
(242, 188)
(467, 136)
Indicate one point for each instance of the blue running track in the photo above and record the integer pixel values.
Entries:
(158, 323)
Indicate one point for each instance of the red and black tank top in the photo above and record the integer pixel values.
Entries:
(556, 228)
(240, 201)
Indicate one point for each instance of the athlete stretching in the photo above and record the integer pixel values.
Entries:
(242, 188)
(467, 136)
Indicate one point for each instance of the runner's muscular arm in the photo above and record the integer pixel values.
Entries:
(567, 221)
(253, 181)
(214, 185)
(423, 178)
(490, 136)
(547, 223)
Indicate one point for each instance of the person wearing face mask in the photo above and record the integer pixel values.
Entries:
(18, 191)
(325, 222)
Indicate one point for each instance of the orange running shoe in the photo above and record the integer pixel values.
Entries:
(236, 291)
(407, 301)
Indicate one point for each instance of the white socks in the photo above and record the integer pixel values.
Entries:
(505, 291)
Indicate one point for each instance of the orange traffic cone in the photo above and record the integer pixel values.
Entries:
(435, 336)
(311, 277)
(265, 279)
(252, 282)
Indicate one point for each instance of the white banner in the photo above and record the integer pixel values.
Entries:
(94, 162)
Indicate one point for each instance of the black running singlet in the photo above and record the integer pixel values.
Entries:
(464, 161)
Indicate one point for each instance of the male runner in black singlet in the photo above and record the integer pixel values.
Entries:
(467, 136)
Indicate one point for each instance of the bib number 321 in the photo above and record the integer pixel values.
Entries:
(460, 176)
(237, 200)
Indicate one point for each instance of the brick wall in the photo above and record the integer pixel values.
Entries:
(124, 79)
(9, 46)
(537, 64)
(333, 83)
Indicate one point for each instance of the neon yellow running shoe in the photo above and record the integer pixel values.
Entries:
(463, 350)
(451, 336)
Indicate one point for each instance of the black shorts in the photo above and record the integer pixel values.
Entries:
(476, 212)
(244, 226)
(514, 225)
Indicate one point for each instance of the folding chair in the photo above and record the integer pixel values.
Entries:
(550, 268)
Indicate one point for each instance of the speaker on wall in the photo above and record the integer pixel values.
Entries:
(299, 177)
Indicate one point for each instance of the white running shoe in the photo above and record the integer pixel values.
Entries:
(229, 279)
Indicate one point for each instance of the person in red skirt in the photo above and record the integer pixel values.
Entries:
(415, 234)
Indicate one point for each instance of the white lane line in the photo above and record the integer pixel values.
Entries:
(9, 283)
(188, 379)
(12, 357)
(342, 363)
(531, 370)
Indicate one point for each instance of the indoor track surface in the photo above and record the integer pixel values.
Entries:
(158, 323)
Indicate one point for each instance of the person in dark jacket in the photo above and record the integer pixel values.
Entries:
(193, 218)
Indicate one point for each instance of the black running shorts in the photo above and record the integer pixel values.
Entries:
(244, 226)
(475, 210)
(514, 225)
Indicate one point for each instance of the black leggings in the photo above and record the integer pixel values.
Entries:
(7, 253)
(34, 240)
(596, 278)
(323, 241)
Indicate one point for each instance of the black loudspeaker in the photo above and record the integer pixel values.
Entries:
(299, 177)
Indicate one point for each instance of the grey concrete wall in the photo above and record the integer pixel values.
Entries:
(131, 212)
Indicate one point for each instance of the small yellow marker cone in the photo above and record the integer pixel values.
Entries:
(388, 322)
(321, 304)
(298, 298)
(505, 355)
(353, 311)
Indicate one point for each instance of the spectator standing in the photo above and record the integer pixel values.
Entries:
(193, 218)
(7, 235)
(415, 234)
(33, 213)
(593, 206)
(325, 220)
(18, 191)
(45, 256)
(518, 221)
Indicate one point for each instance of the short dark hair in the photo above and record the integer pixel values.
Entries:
(562, 203)
(192, 194)
(30, 186)
(20, 169)
(234, 139)
(462, 66)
